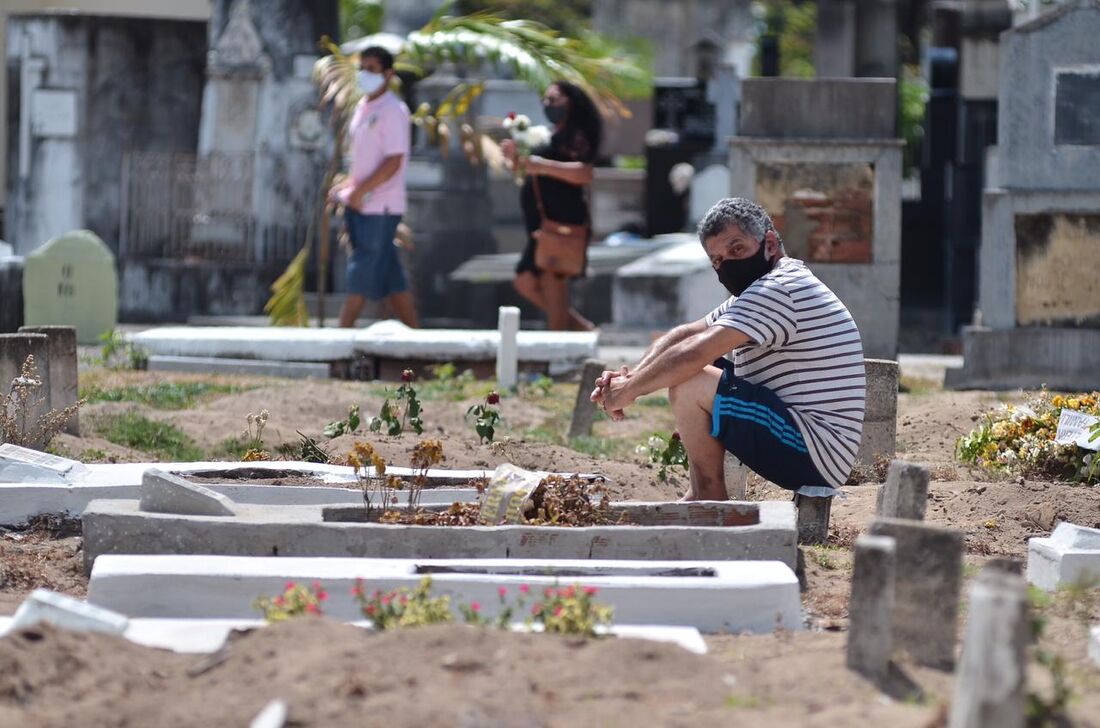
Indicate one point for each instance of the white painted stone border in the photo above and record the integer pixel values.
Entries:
(203, 636)
(1070, 554)
(1094, 645)
(741, 596)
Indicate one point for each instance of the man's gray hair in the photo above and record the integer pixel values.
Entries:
(753, 219)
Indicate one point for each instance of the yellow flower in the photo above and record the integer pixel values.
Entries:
(1058, 401)
(1073, 403)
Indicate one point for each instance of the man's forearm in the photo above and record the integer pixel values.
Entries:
(385, 171)
(669, 366)
(668, 339)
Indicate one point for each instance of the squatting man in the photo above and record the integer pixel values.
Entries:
(790, 403)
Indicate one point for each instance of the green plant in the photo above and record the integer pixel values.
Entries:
(132, 429)
(295, 601)
(118, 353)
(541, 387)
(794, 24)
(387, 415)
(307, 450)
(161, 395)
(346, 426)
(666, 452)
(253, 436)
(403, 608)
(820, 556)
(486, 417)
(913, 97)
(571, 610)
(18, 423)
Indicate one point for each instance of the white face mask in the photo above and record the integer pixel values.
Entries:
(370, 82)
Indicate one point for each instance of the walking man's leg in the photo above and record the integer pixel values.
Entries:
(404, 308)
(349, 313)
(692, 403)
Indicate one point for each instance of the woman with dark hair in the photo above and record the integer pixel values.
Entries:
(561, 169)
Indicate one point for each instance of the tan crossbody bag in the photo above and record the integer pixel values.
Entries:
(560, 246)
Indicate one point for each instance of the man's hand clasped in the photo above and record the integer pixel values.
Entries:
(610, 392)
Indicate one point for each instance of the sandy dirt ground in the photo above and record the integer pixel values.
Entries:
(334, 675)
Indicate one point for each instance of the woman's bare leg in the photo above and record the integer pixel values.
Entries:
(528, 285)
(555, 290)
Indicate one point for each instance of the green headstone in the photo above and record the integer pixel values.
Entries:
(71, 281)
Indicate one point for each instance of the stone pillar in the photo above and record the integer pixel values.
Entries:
(64, 384)
(926, 594)
(871, 606)
(584, 409)
(876, 48)
(813, 519)
(11, 294)
(507, 349)
(14, 350)
(905, 493)
(835, 42)
(990, 687)
(880, 417)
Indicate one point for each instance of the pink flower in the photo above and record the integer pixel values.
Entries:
(502, 591)
(322, 595)
(289, 585)
(590, 591)
(404, 600)
(475, 607)
(537, 609)
(357, 590)
(277, 601)
(557, 611)
(313, 609)
(569, 592)
(386, 599)
(524, 589)
(371, 609)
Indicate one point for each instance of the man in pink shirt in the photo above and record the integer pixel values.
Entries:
(374, 193)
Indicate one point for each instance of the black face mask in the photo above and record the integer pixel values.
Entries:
(738, 274)
(554, 114)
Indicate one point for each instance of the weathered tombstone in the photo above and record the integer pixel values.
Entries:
(990, 688)
(14, 350)
(905, 492)
(71, 281)
(64, 385)
(813, 518)
(11, 293)
(507, 350)
(871, 606)
(926, 594)
(880, 415)
(163, 492)
(584, 409)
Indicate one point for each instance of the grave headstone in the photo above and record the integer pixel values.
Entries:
(926, 594)
(14, 350)
(507, 349)
(584, 409)
(71, 281)
(905, 492)
(707, 187)
(871, 606)
(813, 518)
(880, 414)
(163, 492)
(990, 688)
(64, 385)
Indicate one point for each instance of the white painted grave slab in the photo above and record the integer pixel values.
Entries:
(71, 281)
(203, 636)
(735, 596)
(390, 339)
(1070, 554)
(1094, 645)
(66, 612)
(23, 465)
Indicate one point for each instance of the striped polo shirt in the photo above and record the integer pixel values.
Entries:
(805, 348)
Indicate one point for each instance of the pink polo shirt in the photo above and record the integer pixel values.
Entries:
(380, 129)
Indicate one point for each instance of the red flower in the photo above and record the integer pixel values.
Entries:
(570, 592)
(675, 435)
(407, 375)
(289, 585)
(357, 590)
(502, 591)
(524, 589)
(557, 611)
(511, 116)
(386, 599)
(371, 609)
(475, 607)
(322, 595)
(493, 398)
(590, 591)
(313, 609)
(277, 601)
(537, 609)
(548, 592)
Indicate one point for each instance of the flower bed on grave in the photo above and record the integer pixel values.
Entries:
(1021, 439)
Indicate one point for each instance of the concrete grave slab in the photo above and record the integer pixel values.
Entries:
(735, 596)
(23, 465)
(203, 636)
(250, 367)
(1071, 554)
(66, 612)
(120, 527)
(1094, 645)
(162, 492)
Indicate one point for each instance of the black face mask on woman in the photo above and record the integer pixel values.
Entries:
(554, 114)
(738, 274)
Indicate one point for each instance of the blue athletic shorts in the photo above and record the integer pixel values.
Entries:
(374, 270)
(757, 428)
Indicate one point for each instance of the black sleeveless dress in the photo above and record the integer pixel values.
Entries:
(563, 202)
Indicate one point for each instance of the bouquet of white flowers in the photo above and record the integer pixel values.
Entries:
(526, 136)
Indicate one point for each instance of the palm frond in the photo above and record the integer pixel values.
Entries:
(287, 305)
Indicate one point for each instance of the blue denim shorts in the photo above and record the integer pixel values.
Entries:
(374, 269)
(754, 425)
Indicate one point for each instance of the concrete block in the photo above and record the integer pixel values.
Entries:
(507, 348)
(64, 385)
(119, 527)
(990, 687)
(1060, 358)
(871, 607)
(14, 350)
(880, 418)
(734, 596)
(1071, 554)
(926, 594)
(584, 409)
(66, 612)
(162, 492)
(23, 465)
(905, 492)
(822, 108)
(251, 367)
(813, 519)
